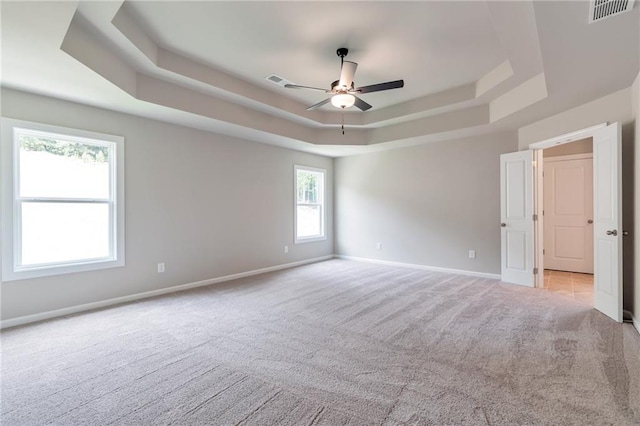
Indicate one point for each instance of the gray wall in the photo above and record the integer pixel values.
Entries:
(427, 205)
(206, 205)
(610, 108)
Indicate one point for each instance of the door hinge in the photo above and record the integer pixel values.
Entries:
(535, 217)
(543, 252)
(535, 271)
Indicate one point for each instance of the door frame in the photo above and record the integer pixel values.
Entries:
(538, 147)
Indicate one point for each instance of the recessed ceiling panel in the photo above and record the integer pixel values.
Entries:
(433, 46)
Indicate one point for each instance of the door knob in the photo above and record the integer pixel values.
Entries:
(590, 221)
(503, 225)
(614, 232)
(625, 233)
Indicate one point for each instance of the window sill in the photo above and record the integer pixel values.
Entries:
(309, 239)
(47, 271)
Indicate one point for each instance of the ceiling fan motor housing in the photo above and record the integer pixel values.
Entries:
(335, 84)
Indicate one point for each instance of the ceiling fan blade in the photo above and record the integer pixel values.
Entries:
(319, 104)
(380, 86)
(362, 105)
(346, 74)
(296, 86)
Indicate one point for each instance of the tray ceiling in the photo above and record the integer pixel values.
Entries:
(469, 67)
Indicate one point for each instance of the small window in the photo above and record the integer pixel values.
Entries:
(67, 204)
(310, 202)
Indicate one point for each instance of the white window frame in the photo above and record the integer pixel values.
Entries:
(323, 210)
(11, 201)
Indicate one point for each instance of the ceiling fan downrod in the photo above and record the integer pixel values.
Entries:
(342, 52)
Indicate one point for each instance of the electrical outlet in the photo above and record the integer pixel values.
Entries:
(378, 246)
(472, 254)
(286, 249)
(160, 268)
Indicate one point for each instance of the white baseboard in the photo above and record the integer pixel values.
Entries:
(12, 322)
(424, 267)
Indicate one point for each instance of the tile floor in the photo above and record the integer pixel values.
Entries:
(578, 286)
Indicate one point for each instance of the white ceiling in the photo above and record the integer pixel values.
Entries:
(469, 67)
(433, 46)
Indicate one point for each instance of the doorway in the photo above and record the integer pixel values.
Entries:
(567, 219)
(521, 205)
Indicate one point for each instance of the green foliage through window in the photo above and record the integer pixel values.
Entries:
(85, 152)
(307, 187)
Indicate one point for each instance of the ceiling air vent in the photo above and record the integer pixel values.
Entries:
(601, 9)
(277, 80)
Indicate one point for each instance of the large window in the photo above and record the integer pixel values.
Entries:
(310, 202)
(65, 200)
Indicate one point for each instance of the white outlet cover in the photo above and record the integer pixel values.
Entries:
(472, 254)
(379, 246)
(286, 249)
(160, 267)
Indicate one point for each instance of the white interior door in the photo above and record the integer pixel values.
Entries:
(607, 184)
(516, 212)
(568, 214)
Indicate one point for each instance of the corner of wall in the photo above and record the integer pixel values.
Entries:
(635, 107)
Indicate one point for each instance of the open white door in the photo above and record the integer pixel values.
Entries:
(516, 212)
(607, 217)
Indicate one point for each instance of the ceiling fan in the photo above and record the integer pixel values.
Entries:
(344, 91)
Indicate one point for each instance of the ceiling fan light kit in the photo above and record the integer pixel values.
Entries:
(343, 100)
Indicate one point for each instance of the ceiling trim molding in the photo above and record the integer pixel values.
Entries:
(522, 96)
(175, 81)
(224, 83)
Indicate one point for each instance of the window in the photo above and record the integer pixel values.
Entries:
(309, 214)
(64, 209)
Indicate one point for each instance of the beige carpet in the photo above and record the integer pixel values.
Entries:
(332, 343)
